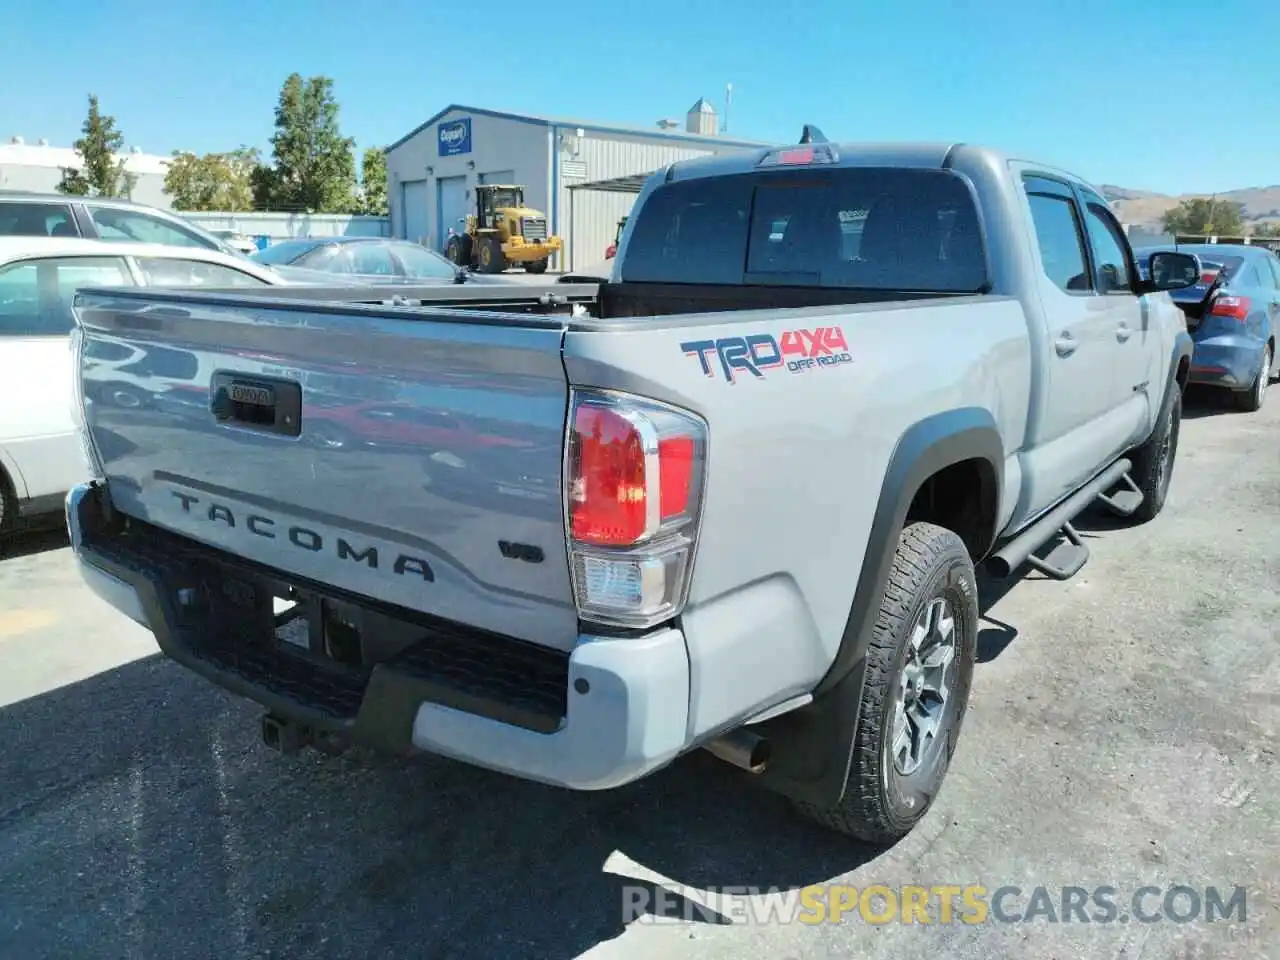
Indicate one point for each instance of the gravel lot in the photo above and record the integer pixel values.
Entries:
(1123, 731)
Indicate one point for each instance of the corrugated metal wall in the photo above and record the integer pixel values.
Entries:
(602, 156)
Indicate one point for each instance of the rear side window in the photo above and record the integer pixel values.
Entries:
(21, 219)
(36, 295)
(1061, 241)
(875, 229)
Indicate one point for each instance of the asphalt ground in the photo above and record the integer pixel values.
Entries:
(1122, 733)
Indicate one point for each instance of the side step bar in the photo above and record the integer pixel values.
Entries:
(1066, 559)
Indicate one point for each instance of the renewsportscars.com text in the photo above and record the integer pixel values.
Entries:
(936, 904)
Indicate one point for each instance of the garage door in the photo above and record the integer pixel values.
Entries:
(413, 201)
(452, 204)
(499, 176)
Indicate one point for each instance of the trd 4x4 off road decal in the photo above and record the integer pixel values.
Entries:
(799, 351)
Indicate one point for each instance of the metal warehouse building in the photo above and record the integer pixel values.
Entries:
(583, 175)
(38, 168)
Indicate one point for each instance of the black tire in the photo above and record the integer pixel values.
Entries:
(882, 802)
(492, 259)
(453, 251)
(1153, 461)
(8, 505)
(1251, 400)
(536, 266)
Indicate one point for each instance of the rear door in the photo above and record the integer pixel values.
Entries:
(1076, 429)
(36, 397)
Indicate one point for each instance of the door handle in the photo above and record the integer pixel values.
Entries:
(1065, 344)
(1123, 332)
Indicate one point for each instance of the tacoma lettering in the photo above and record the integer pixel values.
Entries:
(304, 538)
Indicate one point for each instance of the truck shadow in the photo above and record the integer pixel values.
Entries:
(141, 815)
(1201, 401)
(34, 537)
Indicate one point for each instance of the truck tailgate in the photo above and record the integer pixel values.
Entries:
(409, 456)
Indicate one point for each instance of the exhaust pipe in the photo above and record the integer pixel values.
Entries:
(742, 748)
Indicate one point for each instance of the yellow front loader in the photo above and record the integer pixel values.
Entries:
(502, 232)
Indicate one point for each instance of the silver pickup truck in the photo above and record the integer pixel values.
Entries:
(731, 498)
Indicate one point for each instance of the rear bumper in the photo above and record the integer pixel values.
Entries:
(610, 712)
(1226, 362)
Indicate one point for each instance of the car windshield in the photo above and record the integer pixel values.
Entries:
(285, 252)
(419, 262)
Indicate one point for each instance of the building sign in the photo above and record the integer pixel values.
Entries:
(454, 137)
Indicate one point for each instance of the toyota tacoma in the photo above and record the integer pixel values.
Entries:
(730, 498)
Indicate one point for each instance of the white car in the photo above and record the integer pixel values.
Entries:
(40, 456)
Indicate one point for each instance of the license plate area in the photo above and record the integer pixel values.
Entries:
(262, 404)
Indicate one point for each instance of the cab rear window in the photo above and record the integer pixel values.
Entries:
(867, 228)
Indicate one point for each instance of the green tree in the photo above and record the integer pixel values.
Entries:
(215, 181)
(314, 169)
(373, 182)
(1205, 215)
(102, 171)
(1268, 229)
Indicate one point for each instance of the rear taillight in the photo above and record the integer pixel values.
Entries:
(1234, 308)
(1209, 276)
(633, 489)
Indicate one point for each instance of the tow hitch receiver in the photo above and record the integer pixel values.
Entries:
(286, 736)
(290, 736)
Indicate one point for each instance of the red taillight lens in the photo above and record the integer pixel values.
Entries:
(1209, 276)
(633, 484)
(628, 473)
(1234, 308)
(675, 466)
(608, 502)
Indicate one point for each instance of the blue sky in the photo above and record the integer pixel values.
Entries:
(1089, 85)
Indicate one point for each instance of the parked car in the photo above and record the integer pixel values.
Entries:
(236, 240)
(369, 259)
(99, 218)
(40, 454)
(738, 508)
(1233, 313)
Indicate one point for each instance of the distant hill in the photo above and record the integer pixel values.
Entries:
(1143, 208)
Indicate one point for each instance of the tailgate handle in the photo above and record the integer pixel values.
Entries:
(263, 404)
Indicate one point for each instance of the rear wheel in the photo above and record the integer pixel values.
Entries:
(916, 690)
(1251, 399)
(8, 504)
(536, 266)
